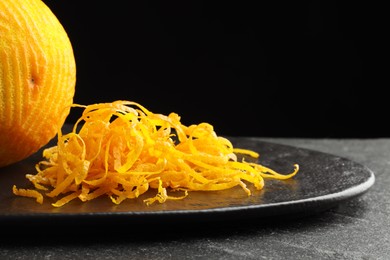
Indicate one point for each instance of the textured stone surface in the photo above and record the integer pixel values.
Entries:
(356, 229)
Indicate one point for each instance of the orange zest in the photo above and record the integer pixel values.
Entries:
(122, 150)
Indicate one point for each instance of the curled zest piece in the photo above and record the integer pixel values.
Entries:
(122, 150)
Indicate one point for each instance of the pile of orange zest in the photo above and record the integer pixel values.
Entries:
(122, 150)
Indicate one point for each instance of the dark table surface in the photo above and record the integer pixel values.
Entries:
(355, 229)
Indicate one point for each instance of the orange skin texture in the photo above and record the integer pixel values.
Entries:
(37, 78)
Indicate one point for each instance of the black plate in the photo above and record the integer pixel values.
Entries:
(322, 182)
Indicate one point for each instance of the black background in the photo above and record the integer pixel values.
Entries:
(249, 68)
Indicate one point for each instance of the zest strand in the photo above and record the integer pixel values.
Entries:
(122, 150)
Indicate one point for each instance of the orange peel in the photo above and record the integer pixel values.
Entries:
(122, 150)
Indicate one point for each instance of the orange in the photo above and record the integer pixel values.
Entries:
(37, 78)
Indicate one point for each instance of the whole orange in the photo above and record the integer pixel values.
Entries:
(37, 78)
